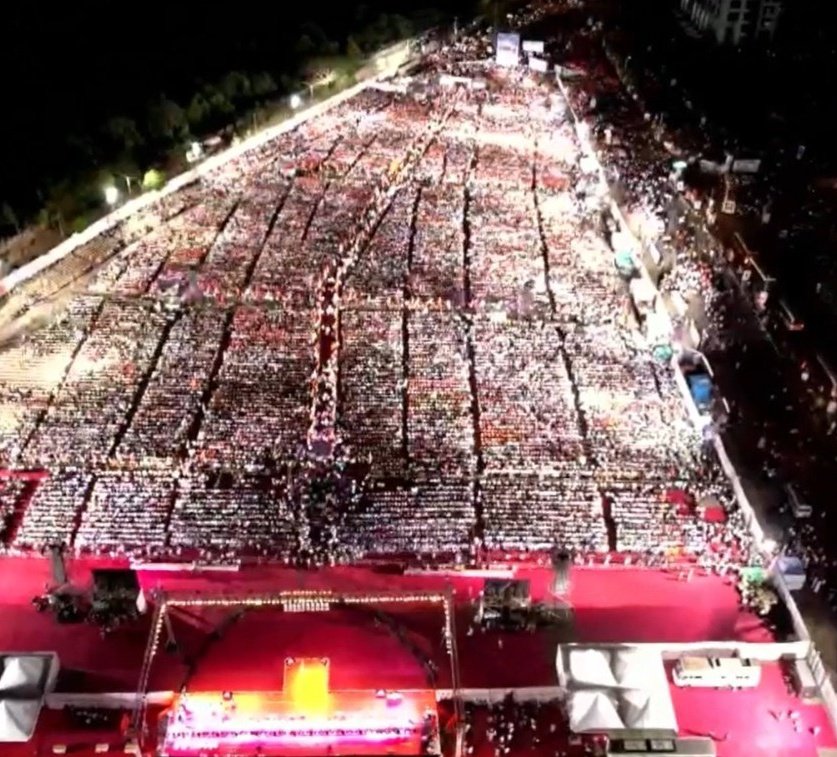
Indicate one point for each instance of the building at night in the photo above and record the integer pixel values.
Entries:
(735, 21)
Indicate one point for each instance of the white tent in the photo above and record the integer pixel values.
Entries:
(23, 676)
(633, 667)
(593, 711)
(591, 667)
(18, 718)
(614, 688)
(637, 710)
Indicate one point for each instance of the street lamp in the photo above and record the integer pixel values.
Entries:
(296, 101)
(111, 195)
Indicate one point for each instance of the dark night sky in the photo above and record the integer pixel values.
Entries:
(67, 67)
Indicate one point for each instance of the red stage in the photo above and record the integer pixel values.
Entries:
(612, 604)
(304, 718)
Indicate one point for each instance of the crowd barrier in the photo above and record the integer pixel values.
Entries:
(125, 700)
(668, 650)
(496, 696)
(822, 677)
(114, 700)
(130, 208)
(187, 567)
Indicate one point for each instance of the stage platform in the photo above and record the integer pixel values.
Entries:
(610, 605)
(304, 718)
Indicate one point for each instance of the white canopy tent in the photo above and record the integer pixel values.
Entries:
(23, 676)
(613, 689)
(593, 712)
(632, 667)
(18, 718)
(24, 682)
(591, 667)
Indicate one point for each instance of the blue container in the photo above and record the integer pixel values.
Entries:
(701, 389)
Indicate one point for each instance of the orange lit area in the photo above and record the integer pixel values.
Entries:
(306, 683)
(305, 718)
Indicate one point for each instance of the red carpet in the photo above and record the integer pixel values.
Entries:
(744, 722)
(611, 604)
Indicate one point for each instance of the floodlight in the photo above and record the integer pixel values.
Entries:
(296, 101)
(111, 195)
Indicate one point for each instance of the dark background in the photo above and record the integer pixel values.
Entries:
(67, 68)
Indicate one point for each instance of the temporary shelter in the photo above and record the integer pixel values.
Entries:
(18, 718)
(614, 689)
(23, 676)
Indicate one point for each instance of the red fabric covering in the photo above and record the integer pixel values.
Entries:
(744, 722)
(678, 497)
(611, 605)
(714, 514)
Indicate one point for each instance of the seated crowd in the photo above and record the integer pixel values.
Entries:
(410, 273)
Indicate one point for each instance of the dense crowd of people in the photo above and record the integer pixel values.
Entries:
(783, 416)
(396, 329)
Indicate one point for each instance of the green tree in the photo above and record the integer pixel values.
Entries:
(167, 121)
(235, 86)
(83, 148)
(304, 46)
(319, 40)
(219, 105)
(353, 49)
(59, 205)
(401, 26)
(361, 14)
(123, 132)
(153, 179)
(80, 223)
(493, 10)
(198, 110)
(9, 217)
(263, 84)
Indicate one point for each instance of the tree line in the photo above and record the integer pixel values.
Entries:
(134, 147)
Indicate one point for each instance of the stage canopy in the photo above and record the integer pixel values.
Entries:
(24, 681)
(18, 718)
(612, 689)
(23, 676)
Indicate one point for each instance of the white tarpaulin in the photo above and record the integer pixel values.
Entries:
(23, 676)
(591, 667)
(746, 166)
(613, 688)
(631, 667)
(18, 718)
(593, 712)
(533, 46)
(638, 710)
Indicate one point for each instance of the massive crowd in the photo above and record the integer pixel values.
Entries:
(419, 278)
(782, 407)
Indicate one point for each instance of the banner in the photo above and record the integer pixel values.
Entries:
(508, 49)
(746, 166)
